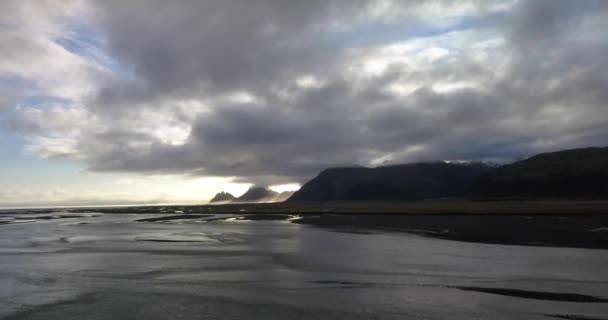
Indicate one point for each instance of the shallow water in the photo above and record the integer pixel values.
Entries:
(111, 267)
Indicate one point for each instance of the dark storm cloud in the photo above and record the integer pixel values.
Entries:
(539, 83)
(180, 49)
(174, 48)
(542, 23)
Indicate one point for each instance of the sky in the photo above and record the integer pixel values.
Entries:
(146, 101)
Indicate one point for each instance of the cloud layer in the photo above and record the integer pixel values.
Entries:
(274, 91)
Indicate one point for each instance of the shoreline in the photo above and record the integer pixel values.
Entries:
(435, 207)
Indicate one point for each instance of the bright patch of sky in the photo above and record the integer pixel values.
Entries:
(399, 31)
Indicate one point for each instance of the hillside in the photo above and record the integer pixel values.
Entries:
(260, 194)
(576, 173)
(391, 183)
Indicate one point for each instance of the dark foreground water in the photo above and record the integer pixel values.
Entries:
(108, 266)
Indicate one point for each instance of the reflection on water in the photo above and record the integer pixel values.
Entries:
(257, 268)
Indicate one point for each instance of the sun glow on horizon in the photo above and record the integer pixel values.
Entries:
(285, 187)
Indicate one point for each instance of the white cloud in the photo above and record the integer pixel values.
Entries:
(31, 53)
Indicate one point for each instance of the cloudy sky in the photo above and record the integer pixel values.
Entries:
(137, 101)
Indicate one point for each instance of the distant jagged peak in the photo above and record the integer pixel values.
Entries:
(256, 194)
(222, 196)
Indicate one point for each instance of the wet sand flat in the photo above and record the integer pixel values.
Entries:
(172, 264)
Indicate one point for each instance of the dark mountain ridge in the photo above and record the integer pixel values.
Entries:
(566, 174)
(391, 183)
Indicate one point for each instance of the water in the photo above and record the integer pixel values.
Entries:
(109, 267)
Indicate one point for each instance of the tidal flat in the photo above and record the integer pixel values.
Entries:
(177, 263)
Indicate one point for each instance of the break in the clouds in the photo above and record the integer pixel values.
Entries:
(273, 91)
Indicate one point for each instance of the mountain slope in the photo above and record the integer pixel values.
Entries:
(391, 183)
(257, 194)
(222, 197)
(576, 173)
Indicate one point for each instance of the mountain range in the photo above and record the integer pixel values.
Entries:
(391, 183)
(252, 195)
(567, 174)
